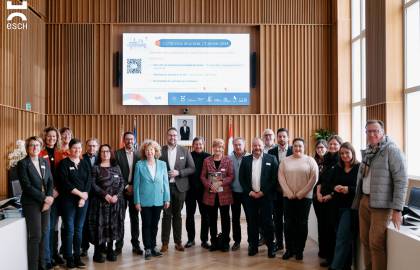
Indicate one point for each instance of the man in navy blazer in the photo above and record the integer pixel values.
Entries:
(258, 177)
(281, 151)
(127, 158)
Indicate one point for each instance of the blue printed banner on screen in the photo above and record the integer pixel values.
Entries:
(208, 99)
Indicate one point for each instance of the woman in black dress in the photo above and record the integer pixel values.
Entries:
(106, 216)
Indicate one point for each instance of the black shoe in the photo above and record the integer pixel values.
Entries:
(111, 256)
(252, 251)
(236, 246)
(98, 257)
(324, 264)
(58, 260)
(147, 254)
(156, 253)
(299, 256)
(138, 250)
(271, 253)
(189, 244)
(78, 263)
(287, 255)
(70, 264)
(225, 248)
(205, 245)
(213, 248)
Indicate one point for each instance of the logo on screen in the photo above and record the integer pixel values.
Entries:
(136, 43)
(22, 25)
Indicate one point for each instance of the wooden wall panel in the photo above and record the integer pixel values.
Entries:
(218, 11)
(15, 124)
(107, 128)
(295, 69)
(377, 111)
(296, 11)
(190, 11)
(82, 11)
(146, 11)
(39, 7)
(72, 73)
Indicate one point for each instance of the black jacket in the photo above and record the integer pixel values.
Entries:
(122, 161)
(268, 175)
(34, 187)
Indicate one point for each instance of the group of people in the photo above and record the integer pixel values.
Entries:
(275, 184)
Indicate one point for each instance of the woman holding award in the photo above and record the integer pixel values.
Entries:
(217, 176)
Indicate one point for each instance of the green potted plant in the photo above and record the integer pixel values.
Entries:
(322, 133)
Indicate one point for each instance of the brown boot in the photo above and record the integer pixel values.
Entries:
(179, 247)
(164, 247)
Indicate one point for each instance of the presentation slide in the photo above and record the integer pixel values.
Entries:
(186, 69)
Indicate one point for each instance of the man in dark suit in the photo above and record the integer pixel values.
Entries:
(92, 146)
(281, 151)
(258, 177)
(185, 131)
(180, 165)
(127, 158)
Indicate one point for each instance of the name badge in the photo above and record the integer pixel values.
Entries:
(222, 170)
(72, 169)
(46, 156)
(43, 167)
(181, 157)
(116, 176)
(268, 163)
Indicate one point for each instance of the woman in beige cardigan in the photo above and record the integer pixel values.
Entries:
(297, 176)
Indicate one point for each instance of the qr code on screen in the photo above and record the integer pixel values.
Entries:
(134, 66)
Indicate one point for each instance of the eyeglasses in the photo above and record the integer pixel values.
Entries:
(92, 145)
(373, 131)
(34, 145)
(105, 151)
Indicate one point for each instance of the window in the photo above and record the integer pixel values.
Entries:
(358, 77)
(412, 84)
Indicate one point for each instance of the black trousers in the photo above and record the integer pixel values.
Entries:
(225, 219)
(150, 219)
(193, 198)
(236, 216)
(134, 224)
(37, 228)
(278, 218)
(296, 213)
(259, 211)
(326, 215)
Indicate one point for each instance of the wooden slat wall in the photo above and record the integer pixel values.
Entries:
(22, 79)
(22, 63)
(190, 11)
(295, 65)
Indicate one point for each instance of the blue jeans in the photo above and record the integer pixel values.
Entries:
(49, 237)
(73, 220)
(346, 231)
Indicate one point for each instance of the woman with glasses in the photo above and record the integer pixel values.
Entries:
(107, 205)
(37, 187)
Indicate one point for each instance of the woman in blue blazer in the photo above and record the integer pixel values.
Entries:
(151, 193)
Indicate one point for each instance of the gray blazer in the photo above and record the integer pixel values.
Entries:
(388, 182)
(184, 164)
(122, 161)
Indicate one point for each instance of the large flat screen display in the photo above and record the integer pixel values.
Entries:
(186, 69)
